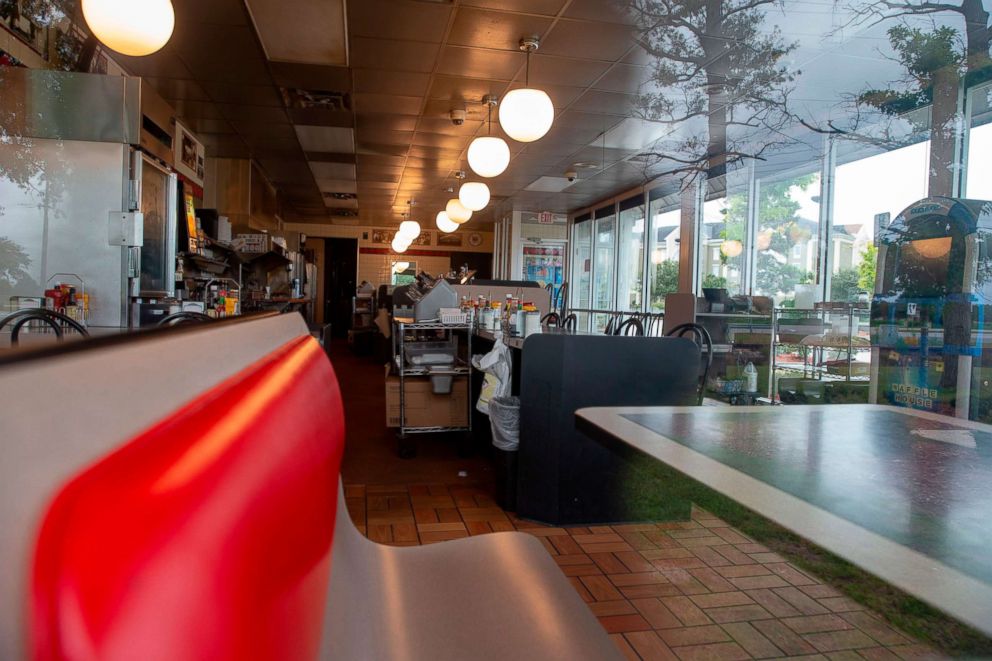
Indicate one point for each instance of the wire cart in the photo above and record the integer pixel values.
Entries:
(460, 369)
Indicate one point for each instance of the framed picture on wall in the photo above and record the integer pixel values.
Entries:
(423, 240)
(453, 240)
(383, 236)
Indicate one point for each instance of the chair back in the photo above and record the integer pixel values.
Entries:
(185, 317)
(570, 322)
(701, 337)
(57, 321)
(551, 320)
(632, 326)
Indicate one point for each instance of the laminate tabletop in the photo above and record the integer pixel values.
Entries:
(906, 495)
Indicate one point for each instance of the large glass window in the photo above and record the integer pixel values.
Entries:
(604, 269)
(581, 262)
(630, 267)
(721, 249)
(787, 236)
(869, 192)
(979, 179)
(663, 259)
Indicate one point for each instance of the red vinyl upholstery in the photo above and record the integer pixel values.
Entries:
(206, 537)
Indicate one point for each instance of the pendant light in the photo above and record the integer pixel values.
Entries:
(526, 114)
(444, 223)
(131, 27)
(409, 229)
(457, 212)
(400, 244)
(474, 195)
(489, 156)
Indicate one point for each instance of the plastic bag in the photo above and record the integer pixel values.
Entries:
(498, 367)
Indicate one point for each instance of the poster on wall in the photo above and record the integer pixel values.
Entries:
(383, 236)
(423, 240)
(189, 155)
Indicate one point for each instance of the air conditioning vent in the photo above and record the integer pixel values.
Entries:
(340, 196)
(300, 99)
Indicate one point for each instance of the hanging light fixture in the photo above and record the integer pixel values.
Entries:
(731, 248)
(400, 244)
(445, 224)
(399, 267)
(131, 27)
(474, 195)
(409, 229)
(526, 114)
(489, 156)
(457, 212)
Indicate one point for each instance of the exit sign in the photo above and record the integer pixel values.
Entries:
(546, 218)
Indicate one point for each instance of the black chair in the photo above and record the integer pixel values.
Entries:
(570, 322)
(184, 318)
(611, 326)
(631, 327)
(56, 320)
(702, 338)
(562, 300)
(551, 319)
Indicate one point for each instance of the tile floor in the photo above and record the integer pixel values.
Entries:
(688, 590)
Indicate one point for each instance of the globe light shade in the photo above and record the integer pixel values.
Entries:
(400, 244)
(526, 114)
(488, 156)
(457, 212)
(445, 224)
(399, 267)
(474, 195)
(731, 248)
(131, 27)
(409, 229)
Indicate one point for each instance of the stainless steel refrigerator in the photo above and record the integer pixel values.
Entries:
(82, 157)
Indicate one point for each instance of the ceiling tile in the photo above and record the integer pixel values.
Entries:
(598, 41)
(163, 64)
(574, 72)
(190, 110)
(398, 19)
(311, 33)
(239, 61)
(480, 63)
(172, 89)
(341, 171)
(254, 95)
(397, 55)
(467, 90)
(223, 12)
(387, 103)
(254, 113)
(337, 186)
(597, 10)
(544, 7)
(391, 82)
(311, 77)
(606, 103)
(326, 139)
(623, 78)
(385, 123)
(498, 30)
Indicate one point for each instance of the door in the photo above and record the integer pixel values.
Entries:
(340, 283)
(158, 205)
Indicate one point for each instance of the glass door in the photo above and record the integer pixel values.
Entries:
(581, 268)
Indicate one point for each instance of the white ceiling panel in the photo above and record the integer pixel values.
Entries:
(345, 171)
(549, 185)
(312, 32)
(331, 139)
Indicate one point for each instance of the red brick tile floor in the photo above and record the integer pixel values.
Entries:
(689, 590)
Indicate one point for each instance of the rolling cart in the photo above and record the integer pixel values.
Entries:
(460, 368)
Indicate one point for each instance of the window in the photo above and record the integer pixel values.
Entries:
(581, 263)
(603, 269)
(787, 236)
(869, 192)
(630, 267)
(722, 234)
(978, 184)
(663, 260)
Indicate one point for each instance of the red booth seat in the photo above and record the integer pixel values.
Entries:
(209, 535)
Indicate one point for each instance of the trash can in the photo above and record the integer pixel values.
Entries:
(504, 415)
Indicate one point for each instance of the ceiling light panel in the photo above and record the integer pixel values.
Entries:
(342, 171)
(314, 32)
(326, 138)
(549, 185)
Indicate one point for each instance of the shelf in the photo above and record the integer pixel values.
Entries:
(433, 325)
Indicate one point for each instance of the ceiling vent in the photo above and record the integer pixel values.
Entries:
(340, 196)
(300, 99)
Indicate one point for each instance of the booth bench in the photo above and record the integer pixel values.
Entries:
(177, 496)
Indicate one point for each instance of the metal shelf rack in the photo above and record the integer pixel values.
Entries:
(462, 368)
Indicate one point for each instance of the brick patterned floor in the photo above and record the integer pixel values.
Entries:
(688, 590)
